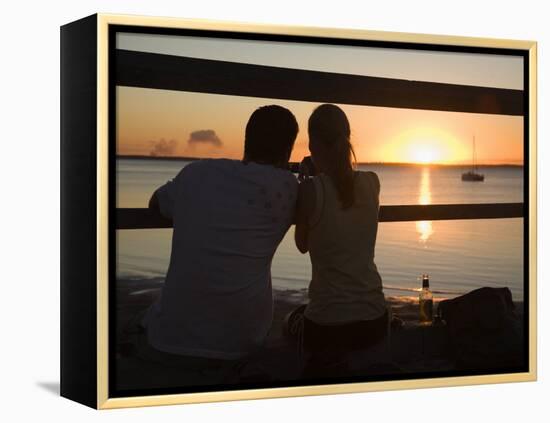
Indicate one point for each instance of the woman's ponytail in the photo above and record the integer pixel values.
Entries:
(329, 125)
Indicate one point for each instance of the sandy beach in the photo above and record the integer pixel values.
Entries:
(411, 349)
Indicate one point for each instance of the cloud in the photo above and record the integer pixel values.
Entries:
(204, 136)
(163, 147)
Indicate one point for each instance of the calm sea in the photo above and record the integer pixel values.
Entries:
(458, 255)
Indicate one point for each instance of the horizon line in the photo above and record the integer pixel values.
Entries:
(192, 158)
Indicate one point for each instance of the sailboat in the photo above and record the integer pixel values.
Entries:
(472, 175)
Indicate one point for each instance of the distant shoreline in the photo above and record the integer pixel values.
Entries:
(189, 158)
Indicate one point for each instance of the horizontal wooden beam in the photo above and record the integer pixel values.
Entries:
(145, 219)
(450, 212)
(140, 219)
(160, 71)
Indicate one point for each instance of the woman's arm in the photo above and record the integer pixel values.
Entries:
(304, 209)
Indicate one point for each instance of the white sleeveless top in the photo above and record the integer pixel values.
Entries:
(345, 285)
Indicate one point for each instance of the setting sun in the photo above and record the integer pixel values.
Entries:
(424, 144)
(427, 145)
(425, 154)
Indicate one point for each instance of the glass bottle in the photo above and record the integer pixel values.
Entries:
(426, 301)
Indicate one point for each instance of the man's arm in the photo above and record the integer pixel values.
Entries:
(163, 200)
(154, 205)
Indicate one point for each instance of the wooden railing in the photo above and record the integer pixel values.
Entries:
(158, 71)
(133, 218)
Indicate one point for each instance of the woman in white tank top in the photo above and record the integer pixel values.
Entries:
(337, 222)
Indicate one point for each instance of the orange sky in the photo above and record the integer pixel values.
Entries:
(378, 134)
(145, 117)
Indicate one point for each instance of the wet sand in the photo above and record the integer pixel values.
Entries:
(410, 349)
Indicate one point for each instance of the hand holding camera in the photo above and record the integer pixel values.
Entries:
(306, 169)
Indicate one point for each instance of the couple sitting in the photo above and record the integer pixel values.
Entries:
(229, 216)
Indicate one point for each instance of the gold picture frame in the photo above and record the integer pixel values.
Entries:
(93, 32)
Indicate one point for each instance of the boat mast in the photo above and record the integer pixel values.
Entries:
(473, 154)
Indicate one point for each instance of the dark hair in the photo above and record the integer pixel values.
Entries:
(329, 125)
(270, 135)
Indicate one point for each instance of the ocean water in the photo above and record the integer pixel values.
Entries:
(459, 255)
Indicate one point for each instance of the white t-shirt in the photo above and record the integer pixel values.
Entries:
(229, 217)
(345, 285)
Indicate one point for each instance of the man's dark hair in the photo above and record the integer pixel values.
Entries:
(270, 135)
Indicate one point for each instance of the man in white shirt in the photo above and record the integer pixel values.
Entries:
(229, 216)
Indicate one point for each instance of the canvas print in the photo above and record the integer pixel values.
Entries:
(292, 212)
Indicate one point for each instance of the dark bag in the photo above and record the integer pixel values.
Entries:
(485, 329)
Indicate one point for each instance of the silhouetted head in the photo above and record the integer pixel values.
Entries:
(270, 135)
(331, 149)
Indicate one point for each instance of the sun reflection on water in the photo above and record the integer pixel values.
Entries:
(424, 227)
